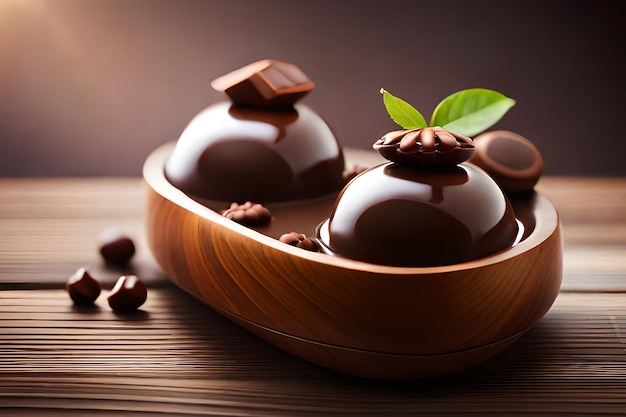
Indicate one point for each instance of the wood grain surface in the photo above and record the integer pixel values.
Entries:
(177, 357)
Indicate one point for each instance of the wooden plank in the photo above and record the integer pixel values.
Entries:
(179, 357)
(49, 228)
(587, 200)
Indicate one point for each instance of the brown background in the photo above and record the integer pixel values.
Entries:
(91, 87)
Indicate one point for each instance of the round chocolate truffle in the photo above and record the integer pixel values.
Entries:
(511, 159)
(397, 215)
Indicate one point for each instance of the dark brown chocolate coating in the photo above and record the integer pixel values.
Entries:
(401, 216)
(266, 83)
(231, 153)
(511, 159)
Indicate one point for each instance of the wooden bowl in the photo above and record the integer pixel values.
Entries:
(362, 319)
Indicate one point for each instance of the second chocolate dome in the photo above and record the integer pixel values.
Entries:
(401, 216)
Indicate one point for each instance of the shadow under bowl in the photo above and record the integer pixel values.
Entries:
(363, 319)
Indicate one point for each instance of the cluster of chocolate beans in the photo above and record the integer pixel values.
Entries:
(129, 292)
(300, 240)
(248, 213)
(255, 214)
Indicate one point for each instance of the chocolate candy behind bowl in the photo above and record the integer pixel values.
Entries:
(513, 161)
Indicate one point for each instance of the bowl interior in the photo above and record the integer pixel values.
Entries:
(310, 216)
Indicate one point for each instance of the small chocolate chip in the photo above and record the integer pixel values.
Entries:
(299, 240)
(128, 294)
(291, 238)
(83, 288)
(115, 247)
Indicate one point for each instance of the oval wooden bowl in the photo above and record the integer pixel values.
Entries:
(368, 320)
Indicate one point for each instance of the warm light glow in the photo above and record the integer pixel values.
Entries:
(13, 11)
(17, 16)
(45, 37)
(18, 4)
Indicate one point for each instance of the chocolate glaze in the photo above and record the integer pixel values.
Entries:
(234, 153)
(397, 215)
(511, 159)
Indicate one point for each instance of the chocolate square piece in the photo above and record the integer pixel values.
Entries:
(265, 83)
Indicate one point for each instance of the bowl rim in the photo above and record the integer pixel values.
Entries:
(154, 176)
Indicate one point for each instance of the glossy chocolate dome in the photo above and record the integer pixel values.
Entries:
(236, 153)
(261, 146)
(397, 215)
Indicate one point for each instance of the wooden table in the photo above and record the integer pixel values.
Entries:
(177, 357)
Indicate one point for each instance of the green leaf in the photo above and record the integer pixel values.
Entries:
(402, 112)
(470, 112)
